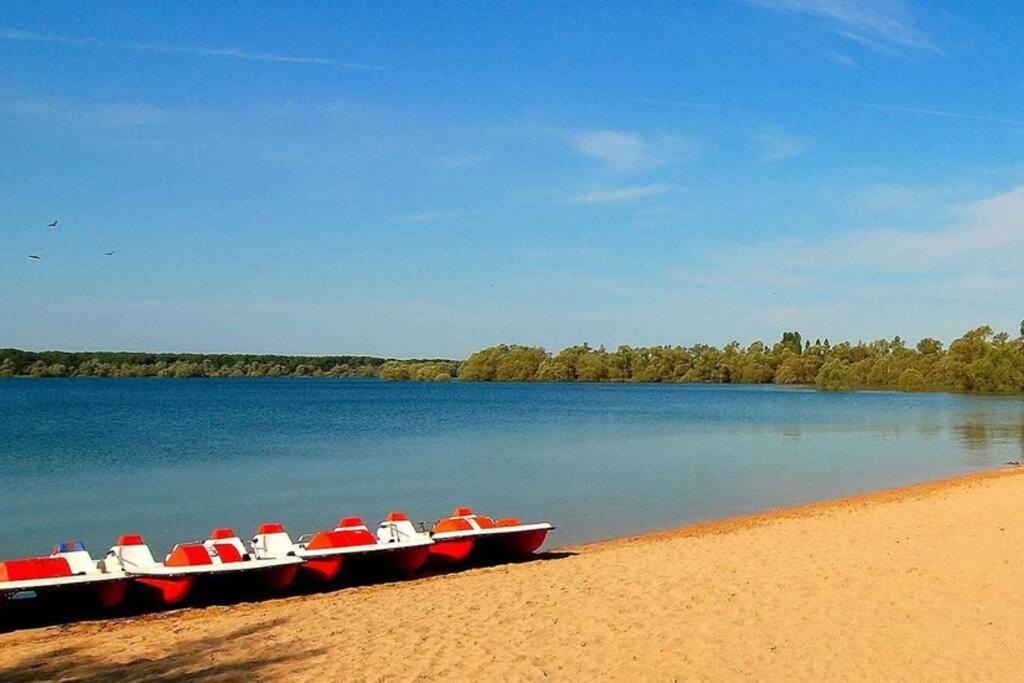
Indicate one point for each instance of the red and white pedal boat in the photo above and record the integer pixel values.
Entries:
(466, 532)
(320, 555)
(222, 555)
(398, 547)
(69, 568)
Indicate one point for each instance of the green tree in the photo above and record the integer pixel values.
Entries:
(835, 376)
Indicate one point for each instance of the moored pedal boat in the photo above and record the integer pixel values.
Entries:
(397, 548)
(321, 552)
(466, 532)
(222, 556)
(69, 568)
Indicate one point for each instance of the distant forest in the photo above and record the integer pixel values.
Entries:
(14, 363)
(979, 361)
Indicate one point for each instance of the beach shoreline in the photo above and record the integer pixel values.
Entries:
(913, 582)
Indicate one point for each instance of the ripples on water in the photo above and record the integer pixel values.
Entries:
(171, 459)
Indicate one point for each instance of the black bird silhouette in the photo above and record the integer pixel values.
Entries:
(33, 256)
(109, 253)
(53, 224)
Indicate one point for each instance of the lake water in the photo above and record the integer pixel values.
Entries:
(172, 459)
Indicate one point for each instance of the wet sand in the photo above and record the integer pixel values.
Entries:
(915, 584)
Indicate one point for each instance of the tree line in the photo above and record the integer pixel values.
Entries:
(979, 361)
(16, 363)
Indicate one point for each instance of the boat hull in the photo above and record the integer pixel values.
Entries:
(407, 561)
(234, 585)
(321, 570)
(105, 595)
(390, 563)
(277, 579)
(512, 545)
(110, 594)
(167, 591)
(450, 552)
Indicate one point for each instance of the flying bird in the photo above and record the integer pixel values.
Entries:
(34, 257)
(109, 253)
(53, 224)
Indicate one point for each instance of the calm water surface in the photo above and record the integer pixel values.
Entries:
(171, 459)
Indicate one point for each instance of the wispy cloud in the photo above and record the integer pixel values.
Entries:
(938, 112)
(220, 52)
(776, 145)
(625, 151)
(987, 235)
(690, 104)
(865, 282)
(882, 25)
(114, 115)
(842, 59)
(620, 195)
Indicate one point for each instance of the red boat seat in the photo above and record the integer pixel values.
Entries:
(452, 524)
(350, 537)
(130, 539)
(34, 568)
(227, 553)
(221, 534)
(509, 521)
(346, 522)
(484, 522)
(397, 516)
(324, 539)
(462, 512)
(191, 555)
(271, 528)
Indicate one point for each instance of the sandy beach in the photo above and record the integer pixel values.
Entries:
(916, 583)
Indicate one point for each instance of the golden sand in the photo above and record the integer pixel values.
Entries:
(920, 583)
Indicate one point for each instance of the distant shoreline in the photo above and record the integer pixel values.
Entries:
(980, 361)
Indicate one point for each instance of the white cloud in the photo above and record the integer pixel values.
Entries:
(220, 52)
(776, 145)
(620, 195)
(980, 236)
(625, 151)
(882, 25)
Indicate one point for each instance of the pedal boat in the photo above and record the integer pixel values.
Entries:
(222, 556)
(321, 553)
(466, 532)
(398, 547)
(69, 568)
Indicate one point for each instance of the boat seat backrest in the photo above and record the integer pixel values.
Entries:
(188, 555)
(133, 556)
(355, 535)
(80, 562)
(34, 568)
(449, 524)
(274, 544)
(400, 530)
(216, 546)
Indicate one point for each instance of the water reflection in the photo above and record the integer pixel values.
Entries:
(978, 432)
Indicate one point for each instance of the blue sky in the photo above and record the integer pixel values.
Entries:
(426, 179)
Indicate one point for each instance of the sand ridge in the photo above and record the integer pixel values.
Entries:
(917, 583)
